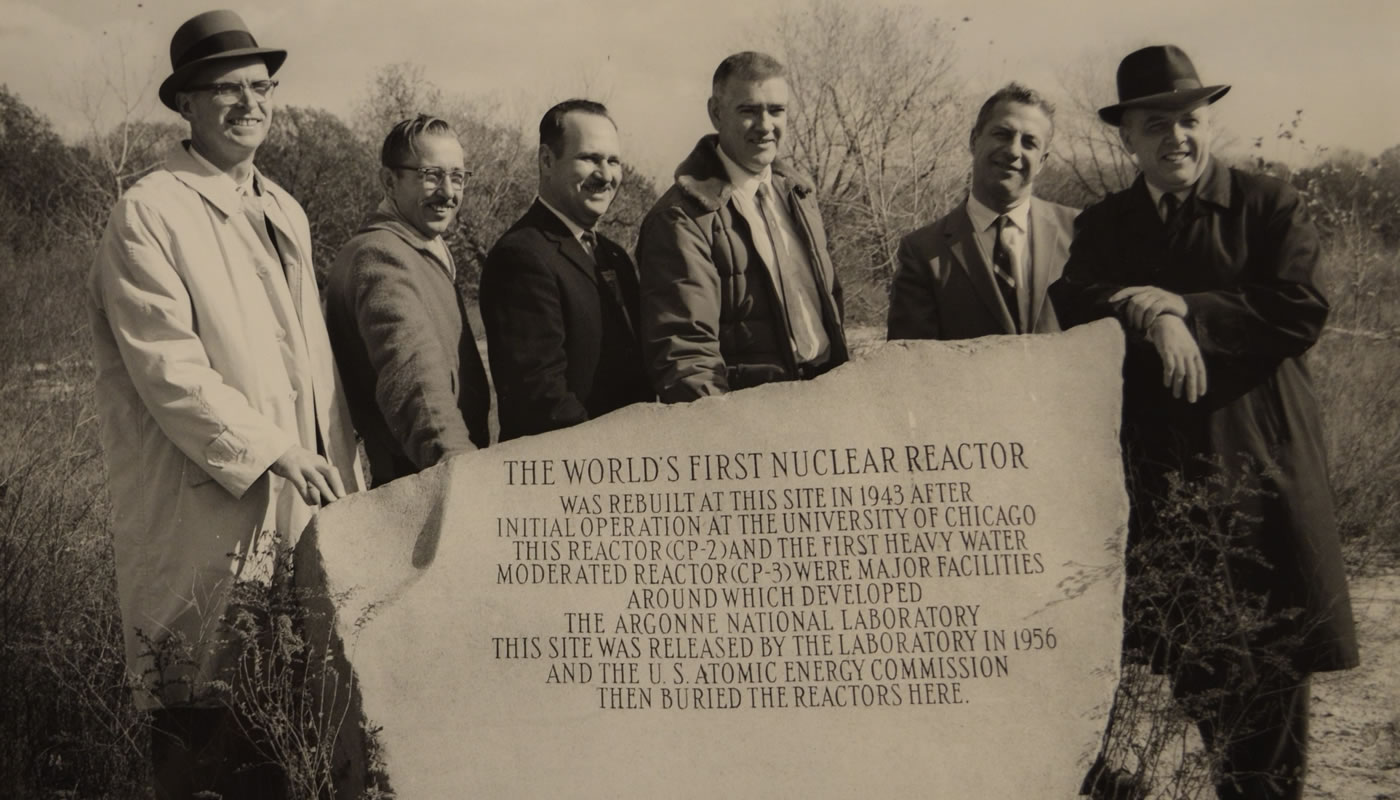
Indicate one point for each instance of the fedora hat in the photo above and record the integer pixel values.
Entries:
(1161, 76)
(211, 36)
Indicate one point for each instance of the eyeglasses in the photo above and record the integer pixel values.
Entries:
(432, 177)
(230, 93)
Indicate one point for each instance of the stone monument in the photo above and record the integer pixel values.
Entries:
(899, 580)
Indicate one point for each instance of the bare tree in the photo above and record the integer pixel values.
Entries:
(396, 92)
(1091, 151)
(877, 121)
(121, 142)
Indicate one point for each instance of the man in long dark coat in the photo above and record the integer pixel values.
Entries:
(1212, 272)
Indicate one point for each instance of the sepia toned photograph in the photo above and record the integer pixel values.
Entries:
(803, 399)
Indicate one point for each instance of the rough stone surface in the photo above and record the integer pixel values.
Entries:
(485, 681)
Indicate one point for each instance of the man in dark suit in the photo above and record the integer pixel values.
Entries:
(559, 301)
(983, 269)
(1212, 271)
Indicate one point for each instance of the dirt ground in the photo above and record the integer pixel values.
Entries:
(1355, 742)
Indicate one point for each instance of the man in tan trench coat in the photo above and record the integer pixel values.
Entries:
(221, 414)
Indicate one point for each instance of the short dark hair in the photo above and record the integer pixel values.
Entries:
(402, 142)
(749, 65)
(552, 123)
(1013, 93)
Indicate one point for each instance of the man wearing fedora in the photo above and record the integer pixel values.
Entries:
(1213, 273)
(983, 269)
(220, 412)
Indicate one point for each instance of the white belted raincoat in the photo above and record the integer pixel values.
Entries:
(206, 373)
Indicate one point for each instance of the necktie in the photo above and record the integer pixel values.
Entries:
(762, 198)
(1005, 272)
(1170, 206)
(606, 277)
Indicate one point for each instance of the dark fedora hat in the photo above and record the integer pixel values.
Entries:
(211, 36)
(1161, 76)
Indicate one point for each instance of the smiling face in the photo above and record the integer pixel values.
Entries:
(429, 210)
(1008, 151)
(750, 117)
(582, 179)
(1172, 147)
(227, 133)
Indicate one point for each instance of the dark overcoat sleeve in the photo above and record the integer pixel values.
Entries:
(1275, 310)
(1093, 273)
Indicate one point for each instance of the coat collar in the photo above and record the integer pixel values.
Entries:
(209, 181)
(1212, 187)
(386, 217)
(222, 192)
(703, 178)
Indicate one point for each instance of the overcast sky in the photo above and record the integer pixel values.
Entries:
(651, 60)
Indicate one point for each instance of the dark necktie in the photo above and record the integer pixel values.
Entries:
(605, 276)
(1006, 277)
(1171, 205)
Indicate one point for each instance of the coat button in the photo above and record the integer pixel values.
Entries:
(279, 334)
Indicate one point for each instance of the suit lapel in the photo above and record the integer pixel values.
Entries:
(557, 232)
(962, 243)
(575, 254)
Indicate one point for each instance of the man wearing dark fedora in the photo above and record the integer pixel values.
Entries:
(221, 416)
(1213, 273)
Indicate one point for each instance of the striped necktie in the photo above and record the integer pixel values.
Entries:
(1005, 272)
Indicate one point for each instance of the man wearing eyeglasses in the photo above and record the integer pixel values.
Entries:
(1214, 274)
(414, 378)
(220, 413)
(559, 301)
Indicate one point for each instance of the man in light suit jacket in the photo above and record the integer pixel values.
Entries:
(560, 301)
(983, 269)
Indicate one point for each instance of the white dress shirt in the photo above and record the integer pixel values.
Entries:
(1018, 242)
(796, 281)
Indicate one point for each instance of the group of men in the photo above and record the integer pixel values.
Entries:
(229, 404)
